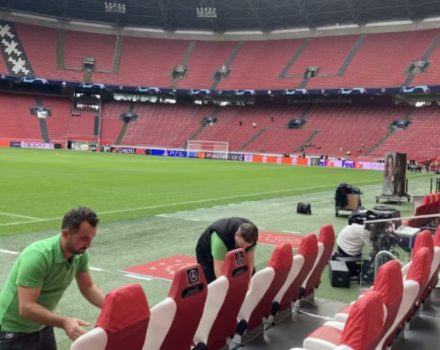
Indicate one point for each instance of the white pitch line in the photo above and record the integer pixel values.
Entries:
(9, 252)
(139, 277)
(96, 269)
(187, 202)
(25, 222)
(287, 231)
(19, 216)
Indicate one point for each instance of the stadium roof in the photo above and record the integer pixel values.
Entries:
(264, 15)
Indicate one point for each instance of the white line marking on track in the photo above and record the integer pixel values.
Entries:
(24, 222)
(189, 202)
(97, 269)
(287, 231)
(139, 277)
(9, 252)
(19, 216)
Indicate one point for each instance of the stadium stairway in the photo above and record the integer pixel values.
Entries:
(183, 62)
(117, 54)
(425, 57)
(356, 46)
(228, 62)
(294, 58)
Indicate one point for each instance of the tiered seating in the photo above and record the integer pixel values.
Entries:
(148, 62)
(78, 45)
(82, 128)
(33, 39)
(122, 323)
(327, 54)
(206, 58)
(417, 141)
(110, 122)
(254, 68)
(382, 60)
(429, 77)
(272, 120)
(348, 128)
(164, 125)
(59, 121)
(16, 121)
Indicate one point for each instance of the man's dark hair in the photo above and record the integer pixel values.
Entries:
(249, 232)
(73, 219)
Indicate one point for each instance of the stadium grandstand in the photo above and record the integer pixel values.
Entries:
(285, 95)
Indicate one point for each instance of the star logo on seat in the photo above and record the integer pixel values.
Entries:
(193, 276)
(239, 258)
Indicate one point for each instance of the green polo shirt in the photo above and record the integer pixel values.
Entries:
(40, 265)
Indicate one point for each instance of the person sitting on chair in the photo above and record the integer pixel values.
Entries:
(351, 240)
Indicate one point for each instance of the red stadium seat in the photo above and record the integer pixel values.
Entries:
(174, 320)
(326, 241)
(265, 284)
(389, 283)
(302, 264)
(225, 297)
(122, 323)
(416, 278)
(362, 330)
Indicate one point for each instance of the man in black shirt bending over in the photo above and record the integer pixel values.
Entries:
(219, 238)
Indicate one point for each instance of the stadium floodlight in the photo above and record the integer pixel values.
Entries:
(205, 11)
(115, 7)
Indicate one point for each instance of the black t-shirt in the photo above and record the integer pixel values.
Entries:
(226, 229)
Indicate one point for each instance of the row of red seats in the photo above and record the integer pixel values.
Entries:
(375, 319)
(430, 205)
(200, 316)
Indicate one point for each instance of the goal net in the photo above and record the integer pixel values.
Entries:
(220, 148)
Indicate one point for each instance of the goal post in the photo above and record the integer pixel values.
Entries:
(218, 147)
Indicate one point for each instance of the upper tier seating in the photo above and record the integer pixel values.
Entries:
(381, 60)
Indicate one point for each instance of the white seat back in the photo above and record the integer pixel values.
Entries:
(217, 291)
(96, 339)
(161, 318)
(317, 260)
(298, 263)
(260, 282)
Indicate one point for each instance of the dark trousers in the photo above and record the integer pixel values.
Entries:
(41, 340)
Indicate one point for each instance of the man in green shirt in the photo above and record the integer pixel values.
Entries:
(37, 281)
(219, 238)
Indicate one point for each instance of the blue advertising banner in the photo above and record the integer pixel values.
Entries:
(168, 153)
(15, 144)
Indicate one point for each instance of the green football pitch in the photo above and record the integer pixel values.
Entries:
(153, 207)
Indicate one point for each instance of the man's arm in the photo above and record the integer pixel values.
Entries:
(218, 265)
(89, 289)
(30, 309)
